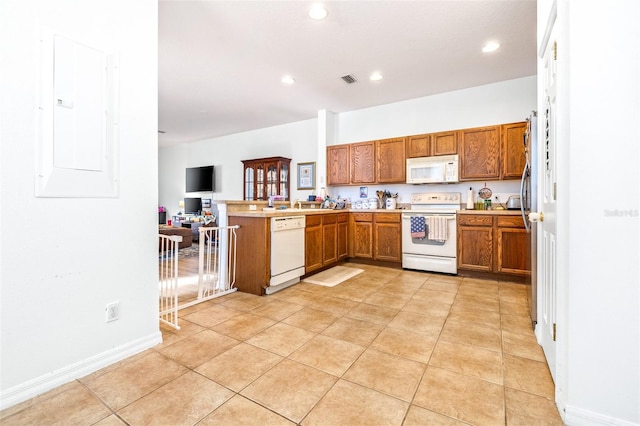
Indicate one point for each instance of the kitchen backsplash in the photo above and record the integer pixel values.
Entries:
(500, 189)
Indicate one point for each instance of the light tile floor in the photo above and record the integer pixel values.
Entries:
(387, 347)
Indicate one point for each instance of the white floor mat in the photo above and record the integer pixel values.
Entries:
(333, 276)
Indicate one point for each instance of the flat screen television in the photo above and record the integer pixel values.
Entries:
(200, 179)
(193, 205)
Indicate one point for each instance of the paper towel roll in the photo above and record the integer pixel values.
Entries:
(470, 204)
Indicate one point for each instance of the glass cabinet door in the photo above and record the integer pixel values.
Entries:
(260, 184)
(249, 183)
(272, 180)
(284, 181)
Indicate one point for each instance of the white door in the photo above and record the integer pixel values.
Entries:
(547, 229)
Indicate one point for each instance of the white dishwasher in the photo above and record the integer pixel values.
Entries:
(287, 252)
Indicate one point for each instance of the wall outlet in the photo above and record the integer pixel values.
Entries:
(252, 206)
(113, 311)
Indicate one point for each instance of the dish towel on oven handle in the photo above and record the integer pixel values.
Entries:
(418, 227)
(437, 229)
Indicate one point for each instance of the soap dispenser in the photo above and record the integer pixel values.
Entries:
(470, 203)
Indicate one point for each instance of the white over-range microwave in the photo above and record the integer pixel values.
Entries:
(438, 169)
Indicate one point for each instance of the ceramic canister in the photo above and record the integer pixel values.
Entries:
(391, 203)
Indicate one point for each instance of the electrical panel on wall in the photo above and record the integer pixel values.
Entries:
(76, 150)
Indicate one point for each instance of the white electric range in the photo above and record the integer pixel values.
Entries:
(431, 253)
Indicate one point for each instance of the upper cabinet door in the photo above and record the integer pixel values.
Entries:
(391, 167)
(513, 158)
(363, 162)
(418, 146)
(444, 143)
(480, 153)
(338, 165)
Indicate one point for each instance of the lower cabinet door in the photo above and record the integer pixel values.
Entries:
(342, 239)
(511, 254)
(330, 246)
(475, 248)
(388, 242)
(313, 248)
(363, 240)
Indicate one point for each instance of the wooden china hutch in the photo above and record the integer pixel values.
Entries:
(266, 177)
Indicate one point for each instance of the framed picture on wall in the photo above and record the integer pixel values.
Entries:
(306, 175)
(206, 203)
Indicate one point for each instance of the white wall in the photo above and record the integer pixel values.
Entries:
(63, 259)
(599, 320)
(503, 102)
(297, 141)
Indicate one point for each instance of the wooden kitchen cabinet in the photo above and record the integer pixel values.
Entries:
(376, 236)
(513, 157)
(432, 144)
(475, 242)
(387, 237)
(480, 153)
(444, 143)
(342, 235)
(363, 162)
(313, 243)
(266, 177)
(391, 160)
(254, 266)
(419, 146)
(370, 162)
(493, 243)
(326, 237)
(338, 170)
(329, 239)
(361, 231)
(512, 246)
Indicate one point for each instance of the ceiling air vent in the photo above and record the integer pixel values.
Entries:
(349, 78)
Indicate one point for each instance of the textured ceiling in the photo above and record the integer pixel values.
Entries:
(220, 62)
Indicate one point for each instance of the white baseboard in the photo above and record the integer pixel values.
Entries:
(44, 383)
(574, 416)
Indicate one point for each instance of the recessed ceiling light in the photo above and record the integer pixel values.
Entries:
(318, 12)
(375, 76)
(288, 80)
(492, 46)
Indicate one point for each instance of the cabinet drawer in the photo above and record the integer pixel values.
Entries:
(328, 219)
(343, 217)
(363, 217)
(510, 222)
(313, 220)
(475, 220)
(387, 217)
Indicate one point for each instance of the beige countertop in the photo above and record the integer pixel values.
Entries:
(309, 211)
(493, 212)
(296, 212)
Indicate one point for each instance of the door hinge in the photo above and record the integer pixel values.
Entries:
(555, 190)
(555, 50)
(554, 331)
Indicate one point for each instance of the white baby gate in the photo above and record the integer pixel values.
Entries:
(168, 283)
(216, 269)
(217, 265)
